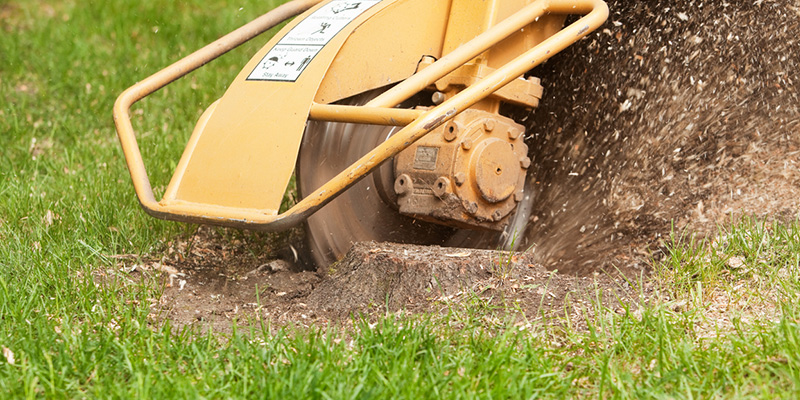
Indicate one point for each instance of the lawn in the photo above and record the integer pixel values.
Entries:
(726, 321)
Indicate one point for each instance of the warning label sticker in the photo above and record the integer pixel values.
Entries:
(292, 54)
(284, 63)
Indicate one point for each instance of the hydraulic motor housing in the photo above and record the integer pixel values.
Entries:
(469, 172)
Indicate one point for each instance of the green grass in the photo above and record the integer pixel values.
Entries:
(727, 325)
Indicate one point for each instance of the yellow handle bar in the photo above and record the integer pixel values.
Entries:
(379, 110)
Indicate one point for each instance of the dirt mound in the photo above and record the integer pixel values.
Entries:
(392, 277)
(215, 284)
(679, 114)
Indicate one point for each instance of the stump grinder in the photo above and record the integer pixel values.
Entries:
(387, 112)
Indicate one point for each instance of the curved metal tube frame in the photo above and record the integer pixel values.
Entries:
(378, 111)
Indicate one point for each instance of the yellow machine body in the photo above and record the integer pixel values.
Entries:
(242, 153)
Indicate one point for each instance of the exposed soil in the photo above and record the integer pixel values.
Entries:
(219, 280)
(677, 113)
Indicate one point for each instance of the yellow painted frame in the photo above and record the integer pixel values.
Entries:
(378, 111)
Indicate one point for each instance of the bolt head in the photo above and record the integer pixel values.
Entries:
(466, 144)
(460, 178)
(497, 215)
(470, 206)
(513, 133)
(438, 98)
(489, 125)
(525, 162)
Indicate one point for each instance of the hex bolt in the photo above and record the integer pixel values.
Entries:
(513, 133)
(525, 162)
(460, 178)
(451, 130)
(497, 215)
(427, 60)
(466, 144)
(403, 184)
(488, 125)
(438, 98)
(472, 207)
(519, 196)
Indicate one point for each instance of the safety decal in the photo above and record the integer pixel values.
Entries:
(292, 54)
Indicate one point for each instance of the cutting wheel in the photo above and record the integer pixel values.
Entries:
(366, 211)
